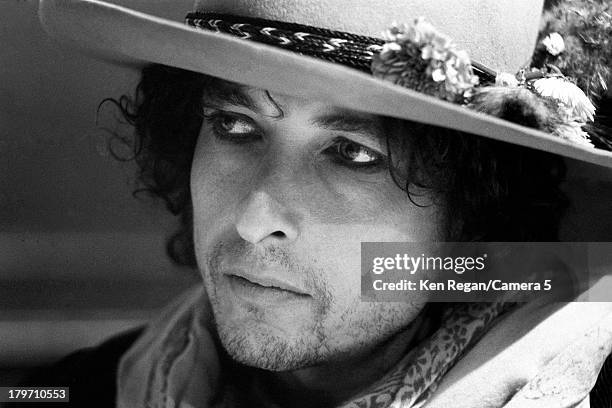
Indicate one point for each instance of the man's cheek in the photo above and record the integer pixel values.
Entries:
(340, 264)
(213, 201)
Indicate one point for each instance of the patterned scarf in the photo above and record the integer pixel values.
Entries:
(175, 364)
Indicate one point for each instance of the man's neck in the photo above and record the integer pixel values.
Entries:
(330, 384)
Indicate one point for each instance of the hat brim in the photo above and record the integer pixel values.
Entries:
(131, 37)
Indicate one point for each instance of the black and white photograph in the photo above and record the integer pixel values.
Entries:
(306, 203)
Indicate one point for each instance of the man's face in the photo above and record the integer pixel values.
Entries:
(284, 190)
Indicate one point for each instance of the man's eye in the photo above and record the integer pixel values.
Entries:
(233, 127)
(354, 154)
(232, 124)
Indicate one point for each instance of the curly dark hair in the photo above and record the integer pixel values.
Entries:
(496, 191)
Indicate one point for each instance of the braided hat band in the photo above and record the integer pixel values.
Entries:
(351, 50)
(419, 57)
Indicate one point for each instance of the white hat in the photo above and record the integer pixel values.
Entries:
(329, 49)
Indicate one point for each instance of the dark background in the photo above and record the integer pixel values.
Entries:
(80, 258)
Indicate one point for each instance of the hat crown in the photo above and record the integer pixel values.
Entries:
(498, 33)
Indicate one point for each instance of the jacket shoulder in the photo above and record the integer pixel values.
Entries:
(89, 373)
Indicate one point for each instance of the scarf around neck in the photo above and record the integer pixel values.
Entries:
(177, 363)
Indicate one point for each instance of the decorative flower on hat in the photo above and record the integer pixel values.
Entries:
(419, 57)
(573, 132)
(571, 99)
(554, 44)
(507, 80)
(573, 107)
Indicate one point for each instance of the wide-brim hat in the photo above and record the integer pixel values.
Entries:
(311, 49)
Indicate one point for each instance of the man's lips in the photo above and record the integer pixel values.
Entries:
(267, 281)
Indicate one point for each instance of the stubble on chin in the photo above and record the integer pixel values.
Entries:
(250, 341)
(260, 348)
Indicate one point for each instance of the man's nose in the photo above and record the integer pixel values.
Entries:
(262, 218)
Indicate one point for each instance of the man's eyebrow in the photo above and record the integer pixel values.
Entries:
(350, 122)
(227, 93)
